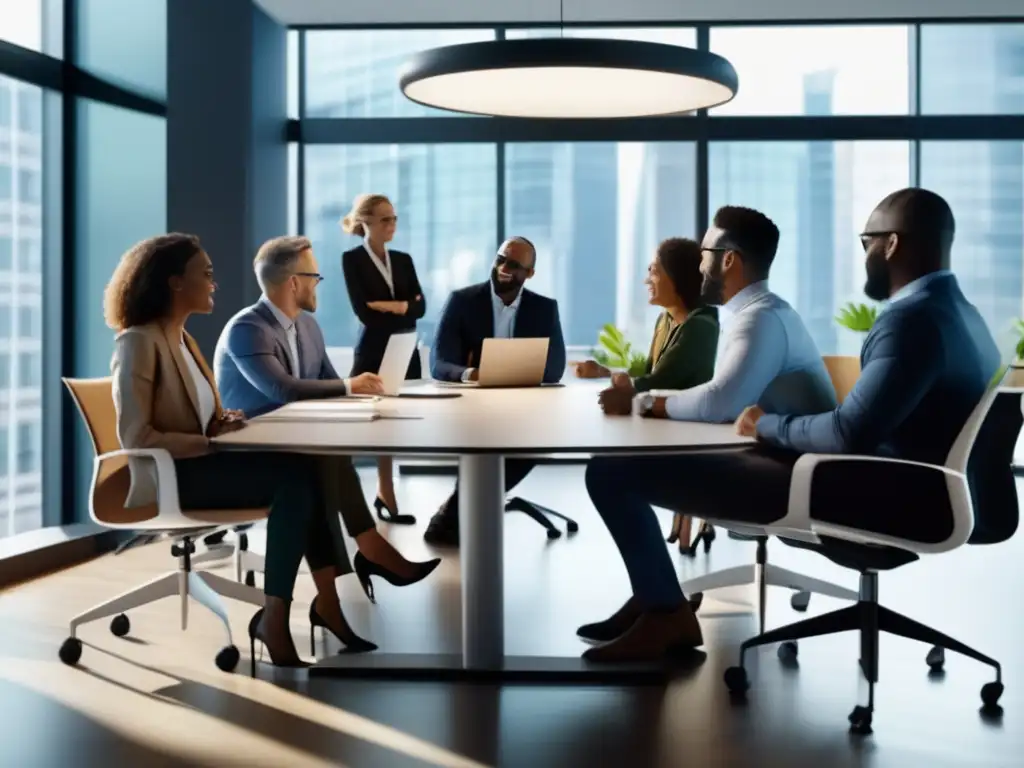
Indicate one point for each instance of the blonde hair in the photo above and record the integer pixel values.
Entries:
(362, 209)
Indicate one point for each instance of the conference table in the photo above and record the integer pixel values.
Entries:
(481, 427)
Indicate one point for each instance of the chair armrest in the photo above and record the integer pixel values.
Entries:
(168, 504)
(881, 501)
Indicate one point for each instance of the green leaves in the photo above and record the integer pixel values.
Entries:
(857, 317)
(615, 352)
(1018, 329)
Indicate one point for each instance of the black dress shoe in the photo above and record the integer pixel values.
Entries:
(443, 530)
(614, 626)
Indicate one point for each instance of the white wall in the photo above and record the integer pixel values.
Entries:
(411, 12)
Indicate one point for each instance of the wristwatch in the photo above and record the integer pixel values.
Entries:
(643, 404)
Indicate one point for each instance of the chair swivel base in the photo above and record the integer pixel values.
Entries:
(540, 515)
(869, 619)
(206, 588)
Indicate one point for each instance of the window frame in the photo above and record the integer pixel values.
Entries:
(63, 85)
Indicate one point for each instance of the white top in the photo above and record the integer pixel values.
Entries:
(289, 331)
(536, 421)
(384, 268)
(207, 403)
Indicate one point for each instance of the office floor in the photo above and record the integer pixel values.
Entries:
(155, 698)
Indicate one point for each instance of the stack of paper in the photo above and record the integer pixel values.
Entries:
(324, 410)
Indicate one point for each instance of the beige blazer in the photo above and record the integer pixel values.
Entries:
(156, 402)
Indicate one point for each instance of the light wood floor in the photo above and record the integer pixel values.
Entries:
(156, 699)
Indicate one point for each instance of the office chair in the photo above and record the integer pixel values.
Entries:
(110, 482)
(540, 515)
(844, 372)
(854, 511)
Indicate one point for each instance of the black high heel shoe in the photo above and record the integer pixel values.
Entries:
(380, 506)
(707, 535)
(354, 644)
(255, 634)
(366, 568)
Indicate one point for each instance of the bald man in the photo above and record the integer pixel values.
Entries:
(500, 308)
(925, 365)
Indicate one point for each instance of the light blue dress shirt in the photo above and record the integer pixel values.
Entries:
(766, 357)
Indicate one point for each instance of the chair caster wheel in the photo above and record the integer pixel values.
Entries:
(695, 600)
(120, 626)
(788, 652)
(572, 526)
(990, 694)
(554, 533)
(860, 720)
(250, 579)
(71, 651)
(736, 680)
(227, 659)
(936, 658)
(800, 600)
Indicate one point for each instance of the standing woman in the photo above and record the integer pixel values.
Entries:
(387, 298)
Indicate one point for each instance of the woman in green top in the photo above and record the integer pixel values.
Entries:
(683, 349)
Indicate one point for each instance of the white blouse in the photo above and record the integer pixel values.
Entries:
(207, 403)
(383, 267)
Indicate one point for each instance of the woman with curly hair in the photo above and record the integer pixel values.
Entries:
(165, 397)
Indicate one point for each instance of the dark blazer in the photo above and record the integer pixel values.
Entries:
(366, 284)
(924, 367)
(468, 318)
(687, 356)
(253, 366)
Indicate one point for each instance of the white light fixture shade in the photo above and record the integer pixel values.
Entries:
(568, 78)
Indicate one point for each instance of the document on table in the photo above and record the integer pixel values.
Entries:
(325, 410)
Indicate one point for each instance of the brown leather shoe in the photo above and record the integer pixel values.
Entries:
(652, 637)
(614, 626)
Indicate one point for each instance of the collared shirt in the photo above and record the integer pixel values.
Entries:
(504, 314)
(290, 332)
(918, 285)
(766, 358)
(384, 267)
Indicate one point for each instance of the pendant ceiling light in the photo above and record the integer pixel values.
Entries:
(566, 77)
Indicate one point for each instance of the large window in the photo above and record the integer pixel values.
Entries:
(596, 212)
(125, 42)
(984, 184)
(446, 199)
(355, 73)
(33, 24)
(858, 70)
(972, 69)
(819, 194)
(21, 298)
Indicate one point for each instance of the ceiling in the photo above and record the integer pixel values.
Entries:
(414, 12)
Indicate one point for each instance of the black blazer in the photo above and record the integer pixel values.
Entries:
(366, 284)
(468, 318)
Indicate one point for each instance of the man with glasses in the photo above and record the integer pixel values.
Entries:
(273, 353)
(766, 357)
(499, 308)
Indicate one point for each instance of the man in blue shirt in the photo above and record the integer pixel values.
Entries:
(500, 308)
(767, 357)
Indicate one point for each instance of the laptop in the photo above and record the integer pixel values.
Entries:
(512, 362)
(401, 347)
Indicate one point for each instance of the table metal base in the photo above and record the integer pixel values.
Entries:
(515, 669)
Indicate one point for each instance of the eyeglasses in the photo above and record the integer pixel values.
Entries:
(867, 237)
(388, 219)
(502, 259)
(315, 275)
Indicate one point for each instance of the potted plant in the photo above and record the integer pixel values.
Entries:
(857, 317)
(615, 352)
